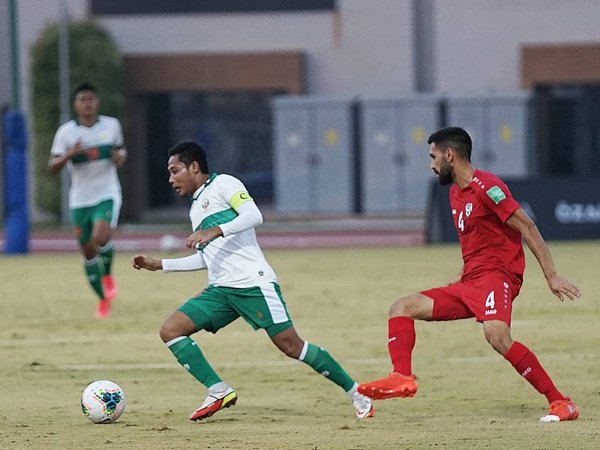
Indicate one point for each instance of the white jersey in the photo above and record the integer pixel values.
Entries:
(94, 180)
(233, 260)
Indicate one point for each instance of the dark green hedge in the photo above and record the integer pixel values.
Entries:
(94, 58)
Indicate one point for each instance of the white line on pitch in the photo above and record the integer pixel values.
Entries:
(281, 363)
(150, 366)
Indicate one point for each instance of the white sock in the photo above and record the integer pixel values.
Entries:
(352, 390)
(218, 388)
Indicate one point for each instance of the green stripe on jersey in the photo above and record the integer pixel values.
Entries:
(215, 220)
(93, 154)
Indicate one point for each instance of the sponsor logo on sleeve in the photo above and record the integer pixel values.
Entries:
(496, 194)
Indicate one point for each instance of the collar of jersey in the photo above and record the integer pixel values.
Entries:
(199, 191)
(80, 125)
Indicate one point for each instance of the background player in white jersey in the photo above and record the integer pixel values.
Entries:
(92, 148)
(240, 282)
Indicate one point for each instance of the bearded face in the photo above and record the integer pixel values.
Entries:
(444, 173)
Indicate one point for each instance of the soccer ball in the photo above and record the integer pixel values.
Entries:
(103, 401)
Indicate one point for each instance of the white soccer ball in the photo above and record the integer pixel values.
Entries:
(103, 401)
(169, 243)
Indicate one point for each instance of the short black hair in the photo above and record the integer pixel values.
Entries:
(189, 152)
(454, 137)
(84, 87)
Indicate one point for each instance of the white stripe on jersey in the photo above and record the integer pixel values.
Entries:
(274, 303)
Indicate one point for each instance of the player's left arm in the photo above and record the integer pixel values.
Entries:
(559, 285)
(119, 156)
(248, 214)
(119, 152)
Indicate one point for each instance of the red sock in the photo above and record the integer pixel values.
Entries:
(401, 332)
(525, 362)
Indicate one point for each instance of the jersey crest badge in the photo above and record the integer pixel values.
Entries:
(496, 194)
(205, 203)
(468, 209)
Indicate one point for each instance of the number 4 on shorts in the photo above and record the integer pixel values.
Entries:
(489, 301)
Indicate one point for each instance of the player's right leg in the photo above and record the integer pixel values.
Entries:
(209, 314)
(434, 304)
(401, 340)
(94, 269)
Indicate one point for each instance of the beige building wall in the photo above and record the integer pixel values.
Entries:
(478, 42)
(363, 48)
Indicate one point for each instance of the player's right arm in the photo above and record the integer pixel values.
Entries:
(184, 264)
(58, 161)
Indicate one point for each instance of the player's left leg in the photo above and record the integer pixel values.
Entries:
(401, 341)
(528, 366)
(322, 362)
(264, 307)
(491, 298)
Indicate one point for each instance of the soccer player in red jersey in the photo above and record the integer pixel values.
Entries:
(490, 226)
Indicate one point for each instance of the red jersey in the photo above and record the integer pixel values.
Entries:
(480, 212)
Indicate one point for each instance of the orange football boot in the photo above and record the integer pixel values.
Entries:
(109, 287)
(561, 410)
(394, 385)
(103, 308)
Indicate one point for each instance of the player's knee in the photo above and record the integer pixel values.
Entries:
(101, 238)
(498, 344)
(169, 330)
(401, 307)
(101, 234)
(89, 250)
(499, 340)
(290, 349)
(101, 242)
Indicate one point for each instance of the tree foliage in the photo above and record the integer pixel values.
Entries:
(93, 58)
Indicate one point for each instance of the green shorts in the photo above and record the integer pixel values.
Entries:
(260, 306)
(84, 219)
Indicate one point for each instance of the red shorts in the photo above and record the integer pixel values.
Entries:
(488, 297)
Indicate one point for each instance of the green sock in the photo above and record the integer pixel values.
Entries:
(322, 362)
(94, 270)
(190, 356)
(106, 253)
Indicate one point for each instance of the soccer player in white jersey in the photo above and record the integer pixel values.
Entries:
(92, 148)
(240, 282)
